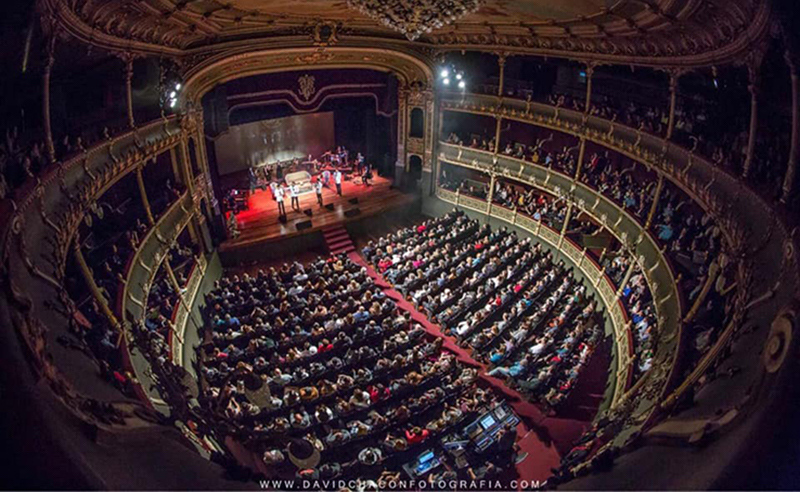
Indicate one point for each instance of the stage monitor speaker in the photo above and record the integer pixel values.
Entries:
(329, 206)
(354, 201)
(282, 219)
(308, 212)
(352, 212)
(302, 226)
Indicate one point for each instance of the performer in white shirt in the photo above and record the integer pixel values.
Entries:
(273, 187)
(280, 194)
(318, 189)
(294, 192)
(337, 178)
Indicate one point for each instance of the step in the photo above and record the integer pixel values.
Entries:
(348, 249)
(336, 235)
(333, 229)
(340, 245)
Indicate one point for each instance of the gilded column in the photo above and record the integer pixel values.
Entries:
(172, 278)
(654, 206)
(501, 61)
(128, 59)
(627, 277)
(143, 194)
(753, 76)
(581, 156)
(173, 160)
(497, 134)
(402, 116)
(89, 278)
(791, 167)
(567, 218)
(48, 68)
(589, 76)
(490, 196)
(674, 75)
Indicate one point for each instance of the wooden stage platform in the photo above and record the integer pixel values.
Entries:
(260, 224)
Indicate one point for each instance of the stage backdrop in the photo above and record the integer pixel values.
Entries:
(268, 141)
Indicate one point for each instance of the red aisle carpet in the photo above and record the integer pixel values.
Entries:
(544, 438)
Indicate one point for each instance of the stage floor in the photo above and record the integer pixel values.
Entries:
(259, 223)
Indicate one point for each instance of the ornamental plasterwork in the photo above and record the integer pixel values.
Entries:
(209, 73)
(306, 86)
(692, 32)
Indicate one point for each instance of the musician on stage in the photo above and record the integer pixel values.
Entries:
(367, 176)
(280, 194)
(326, 177)
(273, 187)
(253, 179)
(294, 192)
(359, 162)
(318, 189)
(337, 178)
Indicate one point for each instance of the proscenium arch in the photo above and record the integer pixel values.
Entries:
(410, 68)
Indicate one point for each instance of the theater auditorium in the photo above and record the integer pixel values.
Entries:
(373, 245)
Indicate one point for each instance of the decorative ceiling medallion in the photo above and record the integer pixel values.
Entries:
(414, 18)
(307, 88)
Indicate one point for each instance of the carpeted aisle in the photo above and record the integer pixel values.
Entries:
(544, 438)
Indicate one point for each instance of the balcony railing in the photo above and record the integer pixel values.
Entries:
(742, 215)
(146, 261)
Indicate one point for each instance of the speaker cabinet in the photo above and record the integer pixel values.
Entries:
(302, 226)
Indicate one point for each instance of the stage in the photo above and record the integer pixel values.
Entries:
(260, 224)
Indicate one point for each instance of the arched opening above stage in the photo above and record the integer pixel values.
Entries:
(296, 128)
(263, 119)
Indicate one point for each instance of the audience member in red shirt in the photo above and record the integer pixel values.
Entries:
(416, 435)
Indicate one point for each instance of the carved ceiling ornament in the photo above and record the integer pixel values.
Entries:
(326, 33)
(415, 17)
(306, 86)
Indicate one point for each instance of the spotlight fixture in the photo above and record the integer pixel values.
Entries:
(446, 81)
(445, 73)
(178, 86)
(462, 85)
(172, 94)
(458, 76)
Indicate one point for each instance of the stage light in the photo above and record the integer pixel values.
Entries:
(446, 81)
(173, 94)
(445, 73)
(458, 76)
(462, 85)
(172, 103)
(178, 86)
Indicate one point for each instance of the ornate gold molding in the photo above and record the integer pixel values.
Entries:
(409, 67)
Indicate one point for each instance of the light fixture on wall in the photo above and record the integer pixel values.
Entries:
(170, 85)
(449, 73)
